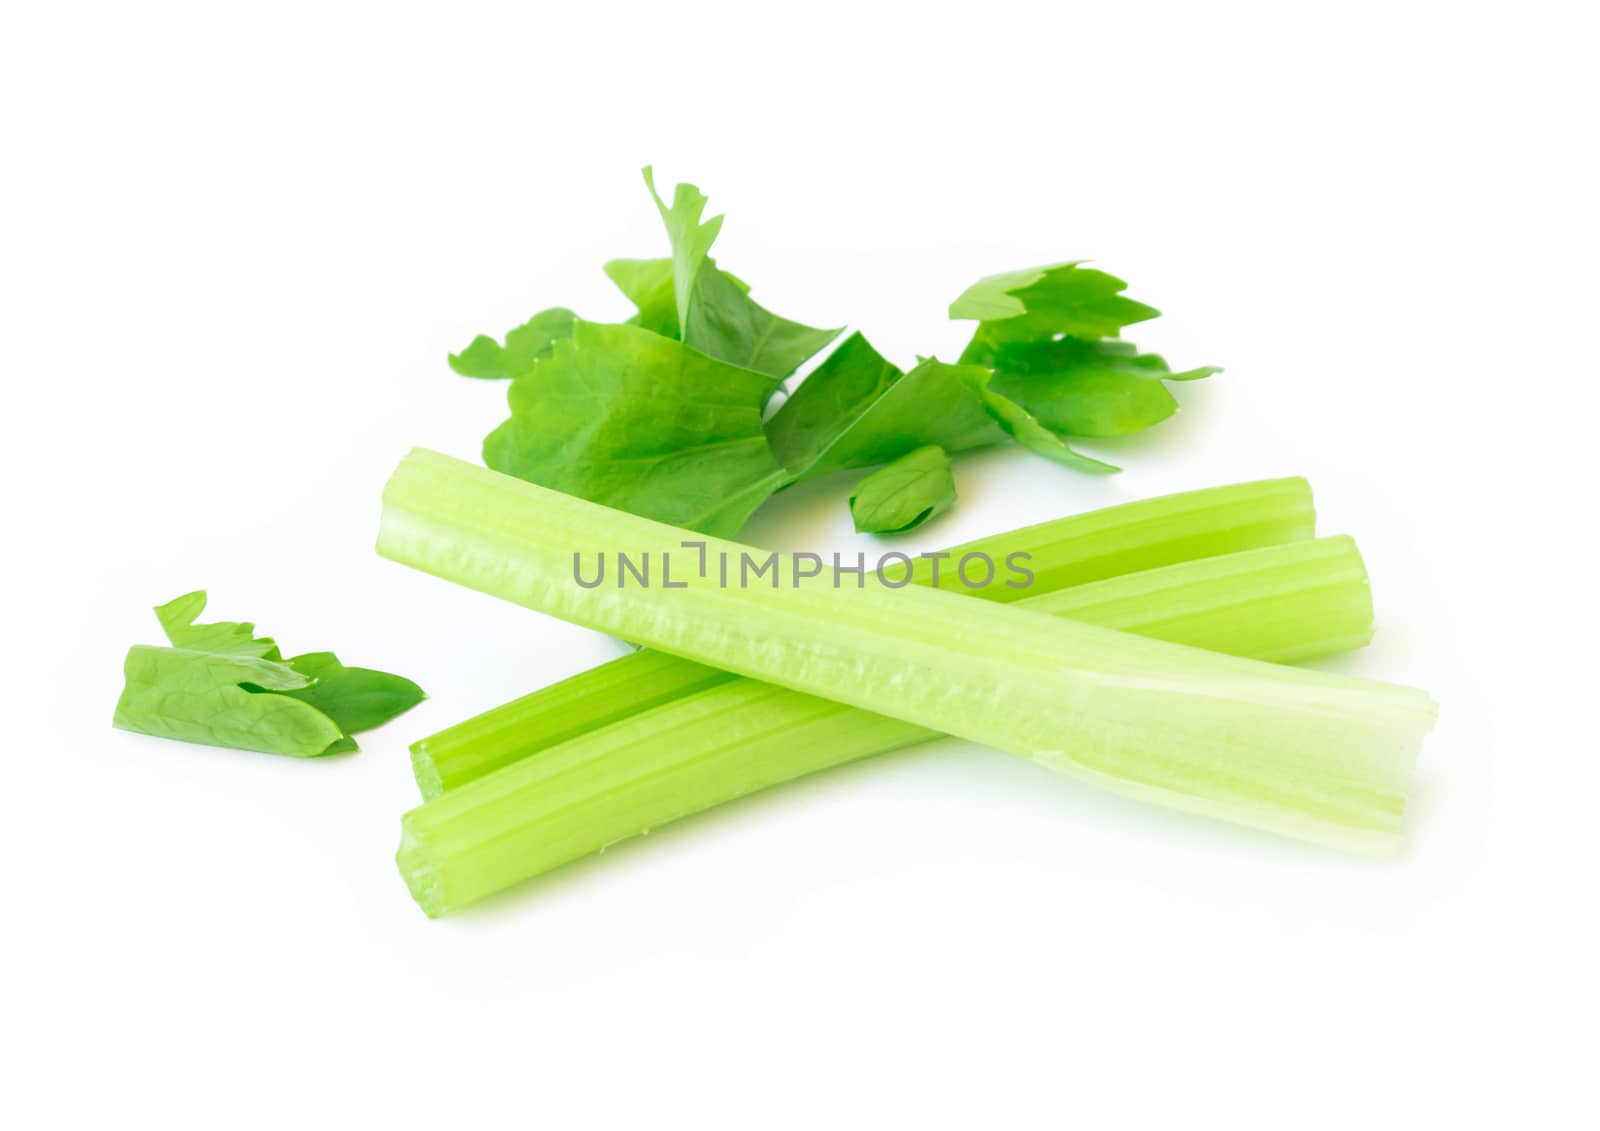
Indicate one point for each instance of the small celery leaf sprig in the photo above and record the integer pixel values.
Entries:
(222, 685)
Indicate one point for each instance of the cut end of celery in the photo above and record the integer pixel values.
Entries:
(429, 781)
(420, 872)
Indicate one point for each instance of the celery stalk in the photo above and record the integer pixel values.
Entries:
(1142, 535)
(552, 715)
(1280, 603)
(1316, 756)
(721, 743)
(1061, 553)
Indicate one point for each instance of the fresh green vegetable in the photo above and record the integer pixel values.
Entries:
(1316, 756)
(691, 240)
(726, 323)
(528, 343)
(648, 285)
(1103, 388)
(733, 738)
(715, 312)
(1046, 302)
(1064, 552)
(1277, 603)
(1049, 335)
(1281, 603)
(640, 421)
(1025, 428)
(847, 383)
(616, 690)
(932, 404)
(903, 495)
(222, 685)
(1135, 536)
(628, 418)
(356, 699)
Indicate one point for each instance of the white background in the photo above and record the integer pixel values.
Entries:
(238, 243)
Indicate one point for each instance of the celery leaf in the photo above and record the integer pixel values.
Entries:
(637, 421)
(934, 403)
(1066, 298)
(221, 685)
(648, 285)
(691, 239)
(838, 391)
(726, 323)
(714, 311)
(904, 494)
(356, 699)
(1050, 336)
(526, 344)
(1026, 429)
(1085, 388)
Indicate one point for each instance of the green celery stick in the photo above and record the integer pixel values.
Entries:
(552, 715)
(1064, 552)
(1279, 603)
(1320, 757)
(741, 736)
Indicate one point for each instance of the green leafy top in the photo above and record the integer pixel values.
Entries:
(666, 415)
(691, 240)
(222, 685)
(715, 313)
